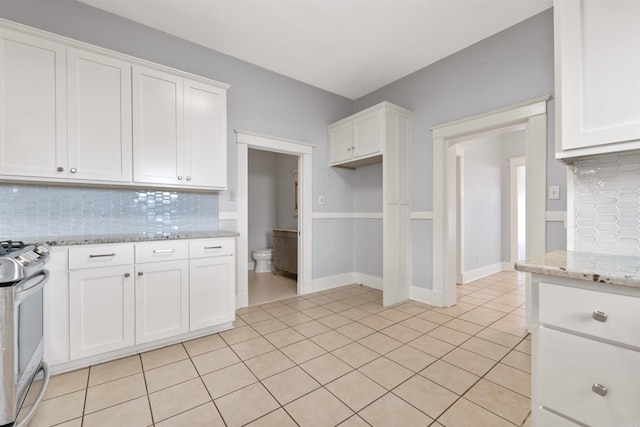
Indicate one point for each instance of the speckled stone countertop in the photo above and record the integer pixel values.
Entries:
(291, 230)
(601, 268)
(127, 238)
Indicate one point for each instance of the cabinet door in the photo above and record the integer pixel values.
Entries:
(340, 142)
(158, 151)
(99, 113)
(205, 135)
(597, 72)
(212, 291)
(367, 134)
(32, 107)
(293, 255)
(281, 253)
(162, 300)
(101, 316)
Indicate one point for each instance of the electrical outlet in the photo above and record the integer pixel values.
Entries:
(554, 192)
(321, 200)
(232, 196)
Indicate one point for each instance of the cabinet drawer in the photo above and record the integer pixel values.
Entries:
(203, 248)
(100, 256)
(568, 367)
(162, 251)
(573, 309)
(285, 234)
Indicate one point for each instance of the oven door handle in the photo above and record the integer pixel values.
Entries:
(26, 293)
(45, 382)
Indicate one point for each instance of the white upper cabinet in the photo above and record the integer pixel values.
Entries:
(597, 64)
(33, 106)
(179, 130)
(99, 117)
(75, 112)
(358, 139)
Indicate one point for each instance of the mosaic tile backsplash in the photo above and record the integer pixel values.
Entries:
(607, 204)
(38, 211)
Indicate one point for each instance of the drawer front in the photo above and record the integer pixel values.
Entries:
(569, 366)
(573, 309)
(202, 248)
(100, 256)
(162, 251)
(286, 234)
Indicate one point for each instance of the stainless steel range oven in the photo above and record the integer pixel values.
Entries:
(22, 279)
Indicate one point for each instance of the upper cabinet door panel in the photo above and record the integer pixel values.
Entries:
(341, 142)
(32, 111)
(367, 134)
(157, 127)
(205, 135)
(598, 72)
(99, 92)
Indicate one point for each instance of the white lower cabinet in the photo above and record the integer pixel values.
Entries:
(162, 300)
(585, 353)
(126, 297)
(101, 304)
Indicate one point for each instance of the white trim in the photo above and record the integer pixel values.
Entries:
(246, 140)
(330, 282)
(556, 216)
(369, 281)
(228, 216)
(514, 164)
(533, 115)
(487, 270)
(422, 215)
(423, 295)
(346, 215)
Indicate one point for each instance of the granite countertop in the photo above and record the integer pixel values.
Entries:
(127, 238)
(600, 268)
(292, 230)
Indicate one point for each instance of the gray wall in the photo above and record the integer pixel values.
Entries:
(270, 197)
(512, 66)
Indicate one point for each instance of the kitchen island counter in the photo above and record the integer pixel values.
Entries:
(598, 268)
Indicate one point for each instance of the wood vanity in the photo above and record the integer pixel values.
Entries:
(285, 250)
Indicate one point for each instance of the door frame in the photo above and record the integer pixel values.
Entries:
(532, 115)
(304, 152)
(514, 164)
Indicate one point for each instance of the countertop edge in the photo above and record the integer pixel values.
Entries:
(130, 238)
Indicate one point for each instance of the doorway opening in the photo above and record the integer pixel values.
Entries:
(303, 152)
(532, 116)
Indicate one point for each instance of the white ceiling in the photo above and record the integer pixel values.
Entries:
(348, 47)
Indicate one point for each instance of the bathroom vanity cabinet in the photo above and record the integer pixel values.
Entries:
(285, 250)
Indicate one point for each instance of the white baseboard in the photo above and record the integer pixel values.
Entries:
(479, 273)
(330, 282)
(421, 295)
(369, 281)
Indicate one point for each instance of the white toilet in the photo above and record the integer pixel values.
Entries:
(263, 260)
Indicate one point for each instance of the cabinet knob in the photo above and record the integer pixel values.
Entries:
(140, 273)
(188, 178)
(348, 148)
(73, 170)
(600, 316)
(179, 177)
(60, 169)
(599, 389)
(127, 275)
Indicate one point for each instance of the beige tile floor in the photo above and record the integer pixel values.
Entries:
(267, 287)
(331, 358)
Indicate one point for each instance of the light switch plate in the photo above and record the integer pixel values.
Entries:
(554, 192)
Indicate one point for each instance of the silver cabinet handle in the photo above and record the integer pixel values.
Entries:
(180, 177)
(599, 389)
(212, 247)
(140, 273)
(101, 255)
(163, 251)
(60, 169)
(188, 178)
(600, 316)
(127, 275)
(73, 170)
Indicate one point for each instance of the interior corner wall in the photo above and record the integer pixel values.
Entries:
(509, 67)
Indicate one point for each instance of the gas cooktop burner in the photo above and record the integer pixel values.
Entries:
(7, 246)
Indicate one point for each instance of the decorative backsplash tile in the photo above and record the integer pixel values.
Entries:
(607, 204)
(46, 211)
